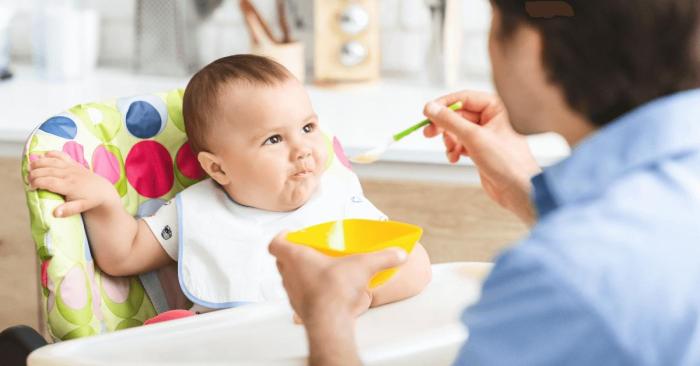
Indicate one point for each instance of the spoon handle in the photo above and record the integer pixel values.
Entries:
(421, 124)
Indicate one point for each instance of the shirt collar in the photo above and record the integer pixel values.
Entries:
(661, 128)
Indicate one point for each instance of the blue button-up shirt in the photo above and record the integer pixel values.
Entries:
(610, 275)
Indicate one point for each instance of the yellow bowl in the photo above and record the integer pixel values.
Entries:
(360, 236)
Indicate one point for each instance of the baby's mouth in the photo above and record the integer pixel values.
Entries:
(303, 173)
(306, 168)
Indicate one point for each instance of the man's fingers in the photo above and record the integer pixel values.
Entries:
(454, 155)
(470, 116)
(451, 121)
(279, 246)
(450, 142)
(473, 101)
(72, 208)
(388, 258)
(431, 131)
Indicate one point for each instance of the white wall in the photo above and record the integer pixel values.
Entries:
(404, 32)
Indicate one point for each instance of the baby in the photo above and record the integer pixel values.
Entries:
(271, 168)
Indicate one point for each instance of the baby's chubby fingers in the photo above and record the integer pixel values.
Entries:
(47, 162)
(59, 155)
(49, 183)
(46, 172)
(72, 208)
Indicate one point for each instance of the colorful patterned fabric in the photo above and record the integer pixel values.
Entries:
(138, 144)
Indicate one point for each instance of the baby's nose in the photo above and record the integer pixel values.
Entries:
(303, 155)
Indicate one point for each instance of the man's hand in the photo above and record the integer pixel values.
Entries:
(325, 292)
(482, 131)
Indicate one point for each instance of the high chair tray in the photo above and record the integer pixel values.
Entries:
(423, 330)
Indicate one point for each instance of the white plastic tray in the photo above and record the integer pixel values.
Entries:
(423, 330)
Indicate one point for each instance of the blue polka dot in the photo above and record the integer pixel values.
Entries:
(61, 127)
(143, 120)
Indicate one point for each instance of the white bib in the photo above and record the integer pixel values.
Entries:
(223, 259)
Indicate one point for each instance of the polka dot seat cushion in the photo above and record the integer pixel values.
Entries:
(138, 144)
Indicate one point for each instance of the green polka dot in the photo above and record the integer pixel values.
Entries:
(102, 120)
(43, 253)
(33, 143)
(184, 181)
(133, 302)
(47, 195)
(128, 323)
(25, 170)
(80, 332)
(174, 102)
(330, 153)
(76, 316)
(121, 185)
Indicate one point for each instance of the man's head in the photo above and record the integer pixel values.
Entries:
(254, 131)
(594, 58)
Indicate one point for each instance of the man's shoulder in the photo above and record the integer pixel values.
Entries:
(623, 269)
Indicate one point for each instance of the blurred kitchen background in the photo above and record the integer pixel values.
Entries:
(404, 29)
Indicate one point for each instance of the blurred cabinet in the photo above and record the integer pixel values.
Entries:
(346, 40)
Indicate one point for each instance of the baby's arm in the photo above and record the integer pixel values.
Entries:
(121, 244)
(410, 279)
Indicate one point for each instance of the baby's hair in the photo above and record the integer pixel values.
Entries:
(202, 92)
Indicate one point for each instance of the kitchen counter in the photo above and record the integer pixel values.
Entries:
(362, 116)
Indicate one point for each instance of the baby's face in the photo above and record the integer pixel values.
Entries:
(270, 145)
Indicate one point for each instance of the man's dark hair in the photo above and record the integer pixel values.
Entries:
(200, 102)
(611, 56)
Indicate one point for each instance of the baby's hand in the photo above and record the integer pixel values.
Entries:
(83, 189)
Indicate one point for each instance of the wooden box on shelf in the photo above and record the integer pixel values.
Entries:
(346, 41)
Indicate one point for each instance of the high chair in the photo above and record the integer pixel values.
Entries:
(138, 144)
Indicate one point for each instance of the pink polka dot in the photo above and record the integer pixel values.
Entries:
(96, 299)
(116, 288)
(149, 169)
(73, 291)
(187, 163)
(44, 273)
(34, 157)
(105, 164)
(75, 151)
(340, 153)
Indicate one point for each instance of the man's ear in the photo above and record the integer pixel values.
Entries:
(212, 165)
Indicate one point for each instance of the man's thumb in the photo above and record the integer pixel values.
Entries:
(449, 120)
(385, 259)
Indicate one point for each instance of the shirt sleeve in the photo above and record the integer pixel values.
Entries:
(163, 225)
(529, 315)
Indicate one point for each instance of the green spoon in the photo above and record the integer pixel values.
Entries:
(372, 155)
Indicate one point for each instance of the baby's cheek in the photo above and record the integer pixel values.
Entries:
(321, 157)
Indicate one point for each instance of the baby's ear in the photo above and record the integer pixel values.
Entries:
(212, 165)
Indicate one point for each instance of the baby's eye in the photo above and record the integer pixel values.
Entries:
(309, 128)
(276, 139)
